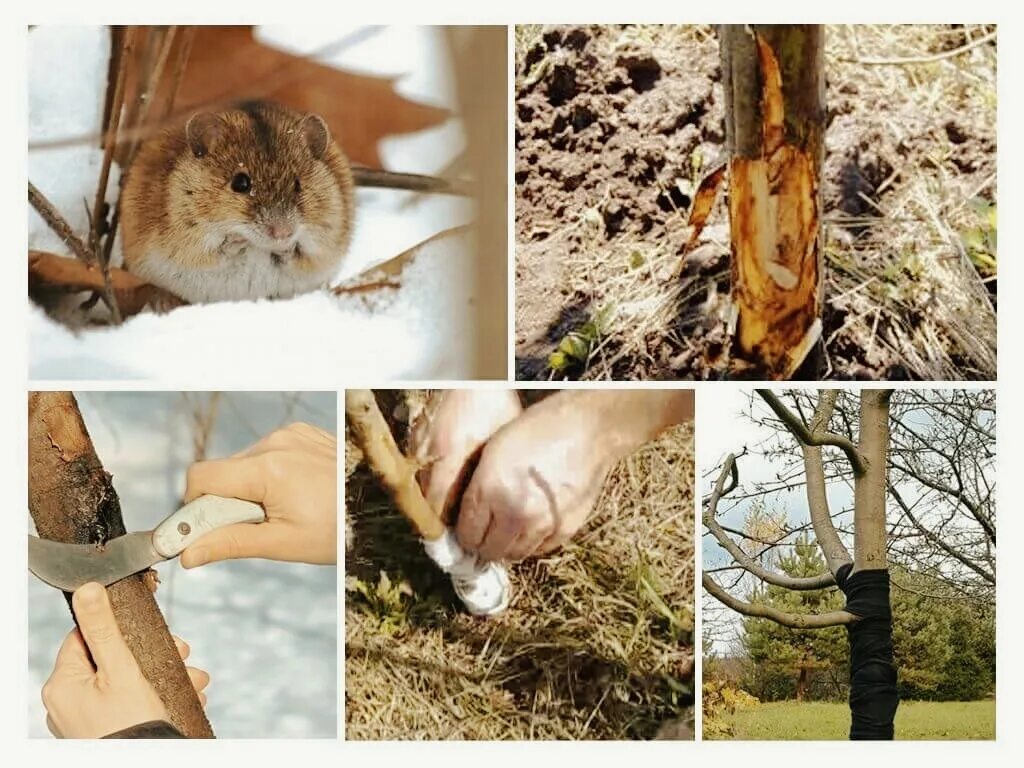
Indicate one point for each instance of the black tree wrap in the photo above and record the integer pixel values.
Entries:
(873, 693)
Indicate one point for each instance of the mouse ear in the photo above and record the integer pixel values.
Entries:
(317, 135)
(202, 131)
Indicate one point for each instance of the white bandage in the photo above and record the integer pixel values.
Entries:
(483, 587)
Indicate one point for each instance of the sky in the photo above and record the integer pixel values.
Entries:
(265, 631)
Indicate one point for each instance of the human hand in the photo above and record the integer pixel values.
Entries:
(446, 440)
(293, 473)
(84, 701)
(539, 476)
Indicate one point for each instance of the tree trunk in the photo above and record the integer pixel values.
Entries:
(71, 499)
(873, 693)
(774, 82)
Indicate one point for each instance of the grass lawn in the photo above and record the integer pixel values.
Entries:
(914, 720)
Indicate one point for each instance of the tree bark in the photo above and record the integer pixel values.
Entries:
(774, 83)
(72, 499)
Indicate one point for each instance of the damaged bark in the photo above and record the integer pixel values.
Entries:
(72, 499)
(775, 107)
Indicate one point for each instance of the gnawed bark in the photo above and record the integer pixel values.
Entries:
(72, 499)
(774, 84)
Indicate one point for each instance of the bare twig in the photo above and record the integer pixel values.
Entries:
(901, 60)
(758, 610)
(59, 224)
(372, 177)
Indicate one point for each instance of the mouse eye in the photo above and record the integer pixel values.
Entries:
(241, 182)
(298, 185)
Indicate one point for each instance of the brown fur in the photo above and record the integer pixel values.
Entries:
(171, 193)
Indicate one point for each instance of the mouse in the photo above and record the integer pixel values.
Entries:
(251, 202)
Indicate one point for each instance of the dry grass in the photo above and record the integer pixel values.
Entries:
(902, 290)
(597, 643)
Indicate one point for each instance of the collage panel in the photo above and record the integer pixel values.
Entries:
(849, 567)
(519, 564)
(755, 202)
(254, 192)
(211, 519)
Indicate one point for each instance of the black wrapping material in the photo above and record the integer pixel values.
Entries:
(873, 693)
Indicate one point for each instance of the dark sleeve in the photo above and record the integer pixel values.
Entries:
(154, 729)
(874, 695)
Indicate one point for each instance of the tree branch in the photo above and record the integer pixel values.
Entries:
(730, 470)
(793, 620)
(836, 555)
(801, 432)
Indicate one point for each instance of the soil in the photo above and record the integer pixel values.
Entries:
(614, 128)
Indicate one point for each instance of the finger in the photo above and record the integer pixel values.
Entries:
(100, 631)
(239, 478)
(200, 678)
(529, 542)
(474, 518)
(73, 656)
(232, 542)
(553, 542)
(183, 648)
(505, 527)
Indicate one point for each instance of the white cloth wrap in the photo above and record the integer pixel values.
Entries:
(483, 587)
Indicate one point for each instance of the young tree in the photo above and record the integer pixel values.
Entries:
(783, 661)
(863, 578)
(774, 82)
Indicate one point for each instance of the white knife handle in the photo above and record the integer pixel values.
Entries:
(199, 517)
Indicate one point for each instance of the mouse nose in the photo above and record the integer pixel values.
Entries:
(280, 229)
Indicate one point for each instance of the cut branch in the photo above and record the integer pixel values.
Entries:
(71, 499)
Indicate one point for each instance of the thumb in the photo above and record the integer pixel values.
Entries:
(231, 543)
(100, 631)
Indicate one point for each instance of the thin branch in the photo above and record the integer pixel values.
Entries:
(836, 555)
(801, 432)
(899, 61)
(59, 224)
(730, 470)
(938, 541)
(415, 182)
(793, 620)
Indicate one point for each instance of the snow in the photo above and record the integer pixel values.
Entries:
(266, 632)
(419, 332)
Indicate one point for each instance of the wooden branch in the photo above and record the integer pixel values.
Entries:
(71, 499)
(389, 466)
(415, 182)
(749, 564)
(938, 540)
(836, 554)
(59, 224)
(802, 433)
(793, 620)
(50, 273)
(930, 59)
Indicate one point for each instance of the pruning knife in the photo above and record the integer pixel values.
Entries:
(69, 566)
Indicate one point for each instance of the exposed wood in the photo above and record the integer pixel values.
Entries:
(775, 107)
(394, 471)
(72, 499)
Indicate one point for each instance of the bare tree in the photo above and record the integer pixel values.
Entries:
(863, 577)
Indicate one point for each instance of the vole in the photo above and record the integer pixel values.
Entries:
(252, 202)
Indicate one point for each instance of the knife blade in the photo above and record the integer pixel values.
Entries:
(69, 566)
